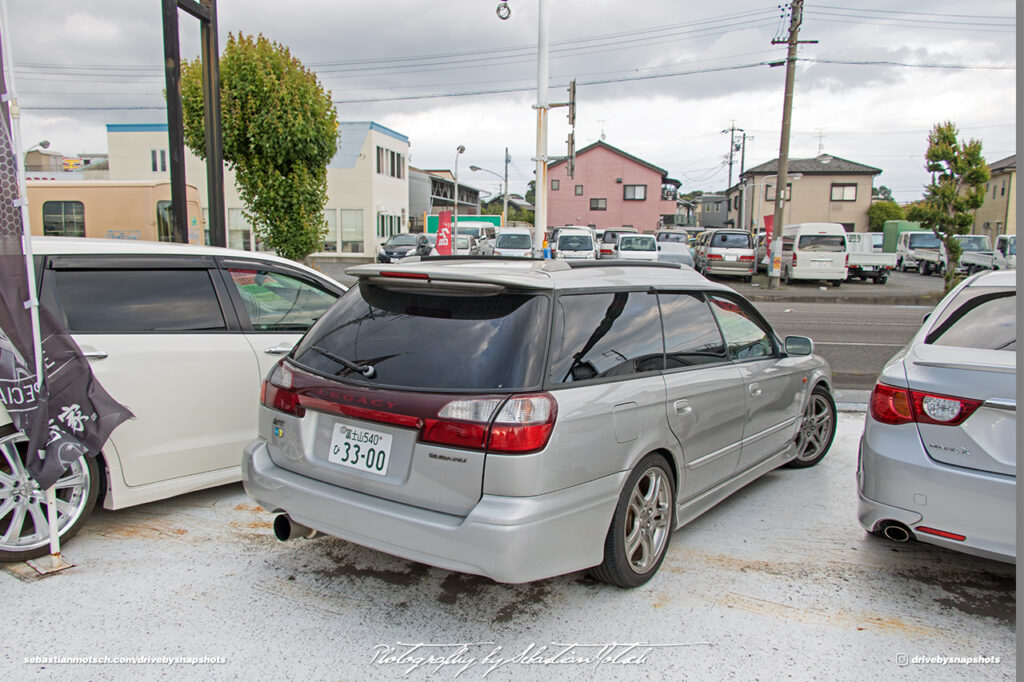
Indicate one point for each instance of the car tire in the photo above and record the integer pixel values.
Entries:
(786, 279)
(941, 269)
(78, 488)
(924, 268)
(901, 265)
(817, 429)
(837, 283)
(641, 527)
(881, 279)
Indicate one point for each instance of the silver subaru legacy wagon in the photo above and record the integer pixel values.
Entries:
(522, 419)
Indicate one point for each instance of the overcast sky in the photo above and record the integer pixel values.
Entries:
(659, 79)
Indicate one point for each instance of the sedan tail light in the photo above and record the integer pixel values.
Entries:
(746, 259)
(714, 256)
(607, 252)
(893, 405)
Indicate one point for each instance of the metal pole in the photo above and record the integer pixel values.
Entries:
(455, 211)
(504, 208)
(211, 117)
(783, 170)
(540, 222)
(175, 122)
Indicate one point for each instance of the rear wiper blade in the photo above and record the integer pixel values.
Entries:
(366, 370)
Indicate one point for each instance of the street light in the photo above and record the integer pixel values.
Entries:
(455, 211)
(743, 195)
(772, 249)
(504, 210)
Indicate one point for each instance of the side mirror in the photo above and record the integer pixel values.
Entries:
(799, 345)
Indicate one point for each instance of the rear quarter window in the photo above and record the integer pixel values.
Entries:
(979, 317)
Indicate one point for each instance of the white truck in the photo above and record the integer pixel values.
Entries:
(1003, 257)
(863, 262)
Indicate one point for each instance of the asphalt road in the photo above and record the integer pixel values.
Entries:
(856, 339)
(777, 582)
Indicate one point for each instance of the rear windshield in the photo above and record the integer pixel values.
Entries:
(611, 236)
(673, 237)
(402, 240)
(923, 241)
(731, 240)
(979, 317)
(431, 342)
(638, 244)
(822, 242)
(575, 242)
(513, 241)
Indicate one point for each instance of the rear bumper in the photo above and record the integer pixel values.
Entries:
(508, 539)
(896, 480)
(725, 268)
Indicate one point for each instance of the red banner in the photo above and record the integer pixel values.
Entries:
(769, 221)
(444, 233)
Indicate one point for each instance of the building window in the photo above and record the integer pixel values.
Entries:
(63, 219)
(352, 230)
(844, 192)
(554, 185)
(239, 230)
(598, 204)
(163, 160)
(579, 190)
(388, 225)
(634, 192)
(1002, 192)
(152, 156)
(164, 222)
(331, 236)
(769, 192)
(390, 163)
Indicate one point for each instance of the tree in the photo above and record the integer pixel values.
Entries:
(882, 192)
(531, 193)
(880, 211)
(279, 133)
(959, 174)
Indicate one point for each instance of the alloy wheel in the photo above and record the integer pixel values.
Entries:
(646, 529)
(817, 429)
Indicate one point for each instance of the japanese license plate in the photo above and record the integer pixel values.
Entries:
(731, 257)
(360, 449)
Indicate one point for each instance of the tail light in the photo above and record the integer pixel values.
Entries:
(523, 424)
(606, 252)
(278, 392)
(794, 259)
(892, 405)
(746, 259)
(846, 263)
(714, 256)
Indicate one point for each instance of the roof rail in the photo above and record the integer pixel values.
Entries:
(620, 262)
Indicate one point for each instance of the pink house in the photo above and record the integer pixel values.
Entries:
(610, 189)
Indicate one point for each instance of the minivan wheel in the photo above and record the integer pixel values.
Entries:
(641, 527)
(817, 430)
(24, 533)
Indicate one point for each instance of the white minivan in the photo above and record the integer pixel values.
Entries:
(814, 251)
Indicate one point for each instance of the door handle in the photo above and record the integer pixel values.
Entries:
(755, 390)
(682, 407)
(278, 350)
(95, 354)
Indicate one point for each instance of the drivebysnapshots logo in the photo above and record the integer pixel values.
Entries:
(904, 660)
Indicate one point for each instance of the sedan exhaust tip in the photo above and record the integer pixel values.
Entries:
(895, 531)
(286, 529)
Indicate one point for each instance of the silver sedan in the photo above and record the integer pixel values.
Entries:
(938, 454)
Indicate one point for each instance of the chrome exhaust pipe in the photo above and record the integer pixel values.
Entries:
(286, 529)
(896, 532)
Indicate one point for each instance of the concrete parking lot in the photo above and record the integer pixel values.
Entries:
(778, 582)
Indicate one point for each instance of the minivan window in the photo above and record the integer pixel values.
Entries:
(979, 317)
(743, 335)
(731, 240)
(138, 300)
(923, 241)
(638, 243)
(575, 242)
(277, 302)
(425, 341)
(603, 335)
(822, 242)
(691, 335)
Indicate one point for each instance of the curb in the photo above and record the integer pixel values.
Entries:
(852, 407)
(929, 300)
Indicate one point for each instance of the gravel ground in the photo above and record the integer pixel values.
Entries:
(778, 582)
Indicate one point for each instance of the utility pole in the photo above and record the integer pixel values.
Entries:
(796, 8)
(733, 147)
(504, 209)
(540, 221)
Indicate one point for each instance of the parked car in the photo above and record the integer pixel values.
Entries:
(609, 238)
(938, 454)
(402, 246)
(465, 245)
(814, 251)
(574, 243)
(724, 251)
(637, 247)
(864, 261)
(646, 394)
(672, 235)
(513, 241)
(675, 252)
(180, 335)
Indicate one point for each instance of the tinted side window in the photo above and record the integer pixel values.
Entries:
(605, 335)
(743, 335)
(277, 302)
(691, 335)
(138, 300)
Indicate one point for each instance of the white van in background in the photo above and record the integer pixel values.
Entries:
(815, 251)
